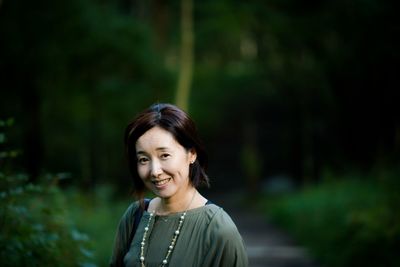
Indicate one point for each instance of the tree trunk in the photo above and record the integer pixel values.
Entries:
(186, 55)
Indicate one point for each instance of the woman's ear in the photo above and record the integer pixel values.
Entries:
(192, 155)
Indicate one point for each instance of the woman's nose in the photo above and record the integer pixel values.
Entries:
(156, 169)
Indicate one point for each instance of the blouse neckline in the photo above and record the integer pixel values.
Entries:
(178, 214)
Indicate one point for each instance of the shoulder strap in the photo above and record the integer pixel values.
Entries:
(138, 216)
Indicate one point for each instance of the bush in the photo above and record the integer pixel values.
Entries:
(97, 213)
(351, 222)
(35, 229)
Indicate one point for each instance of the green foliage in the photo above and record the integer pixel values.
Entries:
(35, 227)
(87, 68)
(97, 214)
(306, 73)
(353, 222)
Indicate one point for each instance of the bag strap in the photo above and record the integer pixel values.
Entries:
(138, 216)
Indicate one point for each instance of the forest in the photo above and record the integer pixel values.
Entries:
(296, 102)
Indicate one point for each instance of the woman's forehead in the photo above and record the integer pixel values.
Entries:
(156, 138)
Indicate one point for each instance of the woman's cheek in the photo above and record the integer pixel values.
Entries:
(142, 171)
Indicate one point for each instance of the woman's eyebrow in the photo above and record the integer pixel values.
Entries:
(157, 149)
(162, 148)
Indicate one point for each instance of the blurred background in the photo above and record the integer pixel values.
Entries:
(296, 102)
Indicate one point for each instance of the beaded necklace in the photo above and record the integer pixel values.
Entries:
(174, 238)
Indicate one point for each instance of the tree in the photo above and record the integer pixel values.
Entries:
(186, 55)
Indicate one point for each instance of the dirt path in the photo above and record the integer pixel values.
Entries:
(266, 244)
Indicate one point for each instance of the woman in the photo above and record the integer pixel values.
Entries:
(179, 227)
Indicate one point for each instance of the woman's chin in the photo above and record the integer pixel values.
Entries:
(163, 193)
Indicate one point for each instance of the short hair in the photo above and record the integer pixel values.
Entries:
(182, 128)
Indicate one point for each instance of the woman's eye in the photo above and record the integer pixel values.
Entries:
(165, 156)
(142, 160)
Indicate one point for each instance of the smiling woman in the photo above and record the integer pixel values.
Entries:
(163, 164)
(179, 227)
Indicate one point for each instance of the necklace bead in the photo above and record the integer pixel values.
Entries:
(173, 241)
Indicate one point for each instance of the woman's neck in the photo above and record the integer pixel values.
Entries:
(165, 206)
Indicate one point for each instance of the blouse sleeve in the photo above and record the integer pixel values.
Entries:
(121, 239)
(226, 246)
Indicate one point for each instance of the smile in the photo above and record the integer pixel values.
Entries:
(161, 182)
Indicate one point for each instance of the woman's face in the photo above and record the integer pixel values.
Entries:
(162, 163)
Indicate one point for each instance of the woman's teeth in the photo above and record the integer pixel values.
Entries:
(161, 182)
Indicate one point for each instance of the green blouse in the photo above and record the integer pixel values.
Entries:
(208, 237)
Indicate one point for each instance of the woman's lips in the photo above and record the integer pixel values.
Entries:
(161, 182)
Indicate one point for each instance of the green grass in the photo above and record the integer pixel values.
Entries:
(351, 222)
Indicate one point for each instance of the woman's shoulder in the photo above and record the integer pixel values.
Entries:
(221, 230)
(132, 207)
(225, 244)
(129, 214)
(210, 210)
(220, 221)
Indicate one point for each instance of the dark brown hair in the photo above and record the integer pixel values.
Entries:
(181, 126)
